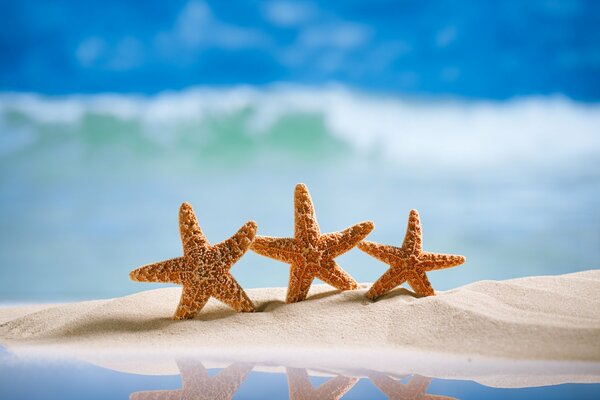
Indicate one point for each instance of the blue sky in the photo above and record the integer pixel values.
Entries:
(482, 49)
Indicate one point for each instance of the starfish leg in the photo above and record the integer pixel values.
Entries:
(235, 247)
(299, 283)
(232, 294)
(334, 275)
(382, 252)
(192, 301)
(413, 240)
(298, 383)
(192, 236)
(335, 388)
(193, 375)
(281, 249)
(389, 280)
(433, 261)
(173, 270)
(420, 283)
(389, 386)
(157, 395)
(306, 227)
(231, 378)
(337, 243)
(418, 384)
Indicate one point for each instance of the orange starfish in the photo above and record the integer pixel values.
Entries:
(204, 269)
(309, 252)
(301, 389)
(197, 384)
(415, 388)
(407, 263)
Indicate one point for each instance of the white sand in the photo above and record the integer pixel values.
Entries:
(551, 321)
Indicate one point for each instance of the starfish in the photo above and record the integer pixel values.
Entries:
(197, 384)
(415, 388)
(204, 269)
(309, 252)
(301, 389)
(407, 263)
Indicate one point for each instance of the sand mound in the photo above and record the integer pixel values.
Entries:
(549, 318)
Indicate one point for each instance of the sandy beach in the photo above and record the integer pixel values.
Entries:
(525, 323)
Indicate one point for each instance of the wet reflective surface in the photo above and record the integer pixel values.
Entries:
(53, 378)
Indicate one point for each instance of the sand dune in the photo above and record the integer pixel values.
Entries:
(546, 319)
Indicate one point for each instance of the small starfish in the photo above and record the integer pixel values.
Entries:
(204, 269)
(197, 384)
(414, 390)
(301, 388)
(407, 263)
(309, 252)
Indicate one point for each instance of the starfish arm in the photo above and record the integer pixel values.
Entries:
(335, 388)
(384, 253)
(157, 395)
(334, 275)
(390, 279)
(413, 240)
(231, 378)
(428, 396)
(192, 301)
(281, 249)
(232, 249)
(299, 284)
(389, 386)
(192, 236)
(173, 270)
(306, 228)
(298, 383)
(232, 294)
(193, 374)
(433, 261)
(420, 284)
(337, 243)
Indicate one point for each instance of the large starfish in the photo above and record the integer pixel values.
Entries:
(197, 384)
(415, 389)
(204, 269)
(309, 252)
(301, 389)
(407, 263)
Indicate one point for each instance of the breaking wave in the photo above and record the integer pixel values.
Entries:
(538, 131)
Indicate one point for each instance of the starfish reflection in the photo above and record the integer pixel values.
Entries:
(415, 389)
(197, 384)
(301, 388)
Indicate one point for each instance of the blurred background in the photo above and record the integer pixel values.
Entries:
(483, 115)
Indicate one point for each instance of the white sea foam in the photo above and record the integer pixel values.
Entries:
(537, 130)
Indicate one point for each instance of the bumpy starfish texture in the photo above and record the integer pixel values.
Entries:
(407, 263)
(301, 389)
(415, 389)
(197, 384)
(309, 252)
(204, 269)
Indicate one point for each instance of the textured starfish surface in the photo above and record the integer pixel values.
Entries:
(415, 389)
(204, 269)
(407, 263)
(197, 384)
(309, 252)
(301, 388)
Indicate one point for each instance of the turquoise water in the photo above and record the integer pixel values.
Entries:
(91, 185)
(27, 378)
